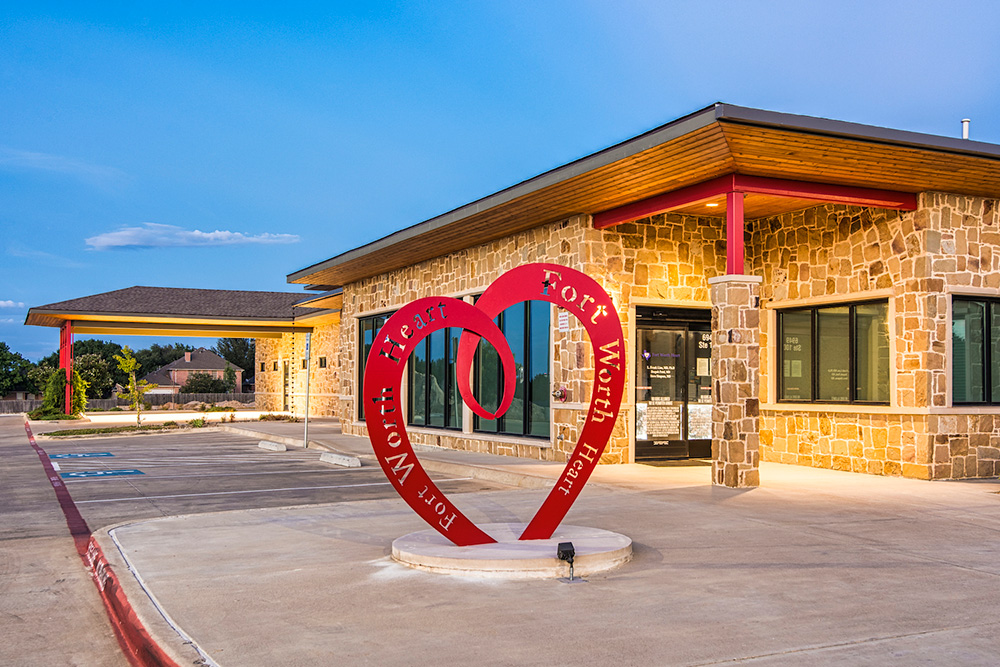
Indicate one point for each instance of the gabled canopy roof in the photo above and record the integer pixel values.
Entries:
(184, 312)
(718, 140)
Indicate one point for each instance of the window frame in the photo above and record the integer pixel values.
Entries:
(989, 304)
(814, 353)
(363, 354)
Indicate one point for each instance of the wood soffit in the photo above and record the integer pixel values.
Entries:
(713, 149)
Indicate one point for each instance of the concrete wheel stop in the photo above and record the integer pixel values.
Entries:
(509, 558)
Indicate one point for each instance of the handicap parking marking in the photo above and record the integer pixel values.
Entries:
(100, 473)
(81, 455)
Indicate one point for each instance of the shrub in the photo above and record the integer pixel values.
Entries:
(203, 383)
(54, 398)
(197, 423)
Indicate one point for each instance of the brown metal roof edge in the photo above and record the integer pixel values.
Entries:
(41, 311)
(718, 112)
(658, 135)
(848, 130)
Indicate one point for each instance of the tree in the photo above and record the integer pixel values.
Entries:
(96, 372)
(13, 370)
(240, 352)
(229, 377)
(104, 349)
(38, 376)
(54, 398)
(136, 389)
(203, 383)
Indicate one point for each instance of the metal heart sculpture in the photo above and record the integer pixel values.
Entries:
(565, 287)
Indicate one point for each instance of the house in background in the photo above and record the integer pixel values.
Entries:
(171, 378)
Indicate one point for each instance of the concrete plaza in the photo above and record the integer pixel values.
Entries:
(814, 567)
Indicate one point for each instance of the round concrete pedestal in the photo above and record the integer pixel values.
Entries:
(509, 558)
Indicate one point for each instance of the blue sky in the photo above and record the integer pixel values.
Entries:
(225, 147)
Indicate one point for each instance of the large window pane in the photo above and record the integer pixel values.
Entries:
(833, 368)
(796, 351)
(968, 351)
(488, 383)
(368, 328)
(513, 329)
(538, 373)
(454, 407)
(871, 352)
(418, 384)
(436, 378)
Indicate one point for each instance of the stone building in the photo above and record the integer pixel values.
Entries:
(792, 289)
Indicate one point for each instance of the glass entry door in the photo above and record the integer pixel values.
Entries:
(673, 388)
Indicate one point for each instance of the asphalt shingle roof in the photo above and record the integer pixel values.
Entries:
(188, 302)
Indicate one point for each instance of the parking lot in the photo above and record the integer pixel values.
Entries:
(123, 478)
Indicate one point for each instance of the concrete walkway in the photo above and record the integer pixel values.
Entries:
(814, 567)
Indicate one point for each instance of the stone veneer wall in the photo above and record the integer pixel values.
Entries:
(950, 244)
(323, 382)
(661, 259)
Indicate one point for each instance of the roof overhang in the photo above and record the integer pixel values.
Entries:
(121, 313)
(717, 141)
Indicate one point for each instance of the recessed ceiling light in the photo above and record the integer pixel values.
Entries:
(711, 205)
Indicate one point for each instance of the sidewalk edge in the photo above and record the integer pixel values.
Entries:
(149, 636)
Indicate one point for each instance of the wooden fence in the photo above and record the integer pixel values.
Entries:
(98, 404)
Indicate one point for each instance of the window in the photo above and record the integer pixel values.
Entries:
(276, 365)
(322, 362)
(975, 350)
(262, 366)
(434, 398)
(526, 327)
(305, 364)
(834, 354)
(368, 328)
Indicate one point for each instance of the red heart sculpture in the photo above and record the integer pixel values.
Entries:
(568, 288)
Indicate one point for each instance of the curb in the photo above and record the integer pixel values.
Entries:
(283, 439)
(131, 625)
(485, 473)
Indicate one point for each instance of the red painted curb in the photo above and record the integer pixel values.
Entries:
(138, 646)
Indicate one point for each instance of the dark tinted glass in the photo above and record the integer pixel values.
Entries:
(538, 368)
(968, 351)
(871, 352)
(833, 369)
(795, 356)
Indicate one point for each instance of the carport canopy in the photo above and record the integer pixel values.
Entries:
(173, 311)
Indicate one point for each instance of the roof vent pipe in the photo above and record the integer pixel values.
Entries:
(965, 128)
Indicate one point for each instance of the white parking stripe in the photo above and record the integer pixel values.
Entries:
(231, 493)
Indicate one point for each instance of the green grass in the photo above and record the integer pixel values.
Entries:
(115, 429)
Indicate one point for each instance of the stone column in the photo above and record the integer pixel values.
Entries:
(735, 379)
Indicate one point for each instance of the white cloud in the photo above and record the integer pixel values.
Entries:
(11, 304)
(7, 320)
(154, 235)
(20, 160)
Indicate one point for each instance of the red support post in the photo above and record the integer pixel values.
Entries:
(66, 359)
(734, 234)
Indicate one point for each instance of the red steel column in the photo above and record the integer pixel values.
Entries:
(66, 359)
(734, 234)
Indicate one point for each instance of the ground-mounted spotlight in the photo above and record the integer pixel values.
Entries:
(566, 552)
